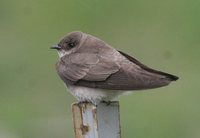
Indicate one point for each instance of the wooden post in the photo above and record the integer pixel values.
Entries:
(102, 121)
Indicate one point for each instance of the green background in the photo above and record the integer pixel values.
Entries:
(164, 35)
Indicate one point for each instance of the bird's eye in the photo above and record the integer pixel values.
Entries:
(71, 44)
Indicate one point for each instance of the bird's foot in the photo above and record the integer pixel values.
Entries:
(107, 102)
(81, 102)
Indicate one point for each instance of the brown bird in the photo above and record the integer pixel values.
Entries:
(94, 71)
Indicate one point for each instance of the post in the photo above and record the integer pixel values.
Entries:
(102, 121)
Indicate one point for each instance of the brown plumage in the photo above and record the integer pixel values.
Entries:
(89, 62)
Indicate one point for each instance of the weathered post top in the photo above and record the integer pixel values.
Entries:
(102, 121)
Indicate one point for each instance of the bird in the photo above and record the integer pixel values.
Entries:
(95, 72)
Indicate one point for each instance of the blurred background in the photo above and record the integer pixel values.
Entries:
(164, 35)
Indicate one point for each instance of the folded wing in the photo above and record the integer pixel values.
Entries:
(132, 75)
(92, 70)
(85, 66)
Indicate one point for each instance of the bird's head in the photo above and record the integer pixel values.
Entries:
(70, 43)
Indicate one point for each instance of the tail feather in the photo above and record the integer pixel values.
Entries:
(169, 76)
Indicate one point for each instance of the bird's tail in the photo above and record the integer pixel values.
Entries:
(167, 75)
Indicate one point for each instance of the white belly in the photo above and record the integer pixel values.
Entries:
(93, 95)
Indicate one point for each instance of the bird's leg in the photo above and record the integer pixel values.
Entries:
(82, 102)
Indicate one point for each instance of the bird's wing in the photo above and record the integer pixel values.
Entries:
(86, 66)
(132, 75)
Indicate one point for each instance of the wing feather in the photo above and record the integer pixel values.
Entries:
(85, 66)
(132, 75)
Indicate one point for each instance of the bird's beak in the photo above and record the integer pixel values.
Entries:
(55, 47)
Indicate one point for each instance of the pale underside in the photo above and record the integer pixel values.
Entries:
(94, 95)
